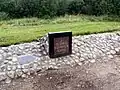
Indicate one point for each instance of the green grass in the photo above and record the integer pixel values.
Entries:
(28, 29)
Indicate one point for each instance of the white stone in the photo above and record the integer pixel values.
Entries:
(35, 66)
(24, 76)
(82, 59)
(80, 63)
(9, 53)
(14, 67)
(6, 61)
(4, 48)
(53, 63)
(11, 74)
(3, 66)
(76, 60)
(2, 76)
(9, 68)
(111, 56)
(94, 56)
(38, 68)
(78, 54)
(1, 57)
(25, 70)
(92, 61)
(19, 72)
(8, 80)
(14, 59)
(9, 58)
(108, 53)
(117, 49)
(23, 66)
(1, 51)
(112, 52)
(10, 62)
(19, 66)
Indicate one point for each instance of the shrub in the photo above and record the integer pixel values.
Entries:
(3, 16)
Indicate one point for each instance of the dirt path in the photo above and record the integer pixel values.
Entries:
(101, 75)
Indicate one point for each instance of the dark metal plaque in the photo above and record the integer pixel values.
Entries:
(60, 44)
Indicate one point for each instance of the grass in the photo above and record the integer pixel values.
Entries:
(29, 29)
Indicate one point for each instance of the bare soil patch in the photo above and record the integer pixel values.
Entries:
(101, 75)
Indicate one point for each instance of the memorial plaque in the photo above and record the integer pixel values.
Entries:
(60, 44)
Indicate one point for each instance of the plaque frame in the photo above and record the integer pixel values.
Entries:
(51, 37)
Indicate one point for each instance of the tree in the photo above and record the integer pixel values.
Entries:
(75, 6)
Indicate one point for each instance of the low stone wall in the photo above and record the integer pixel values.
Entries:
(85, 49)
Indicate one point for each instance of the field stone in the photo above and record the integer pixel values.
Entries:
(112, 51)
(10, 74)
(8, 80)
(25, 59)
(19, 72)
(92, 61)
(2, 76)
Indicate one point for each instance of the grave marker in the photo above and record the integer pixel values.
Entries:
(60, 44)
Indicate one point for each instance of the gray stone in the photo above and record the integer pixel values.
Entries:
(110, 56)
(19, 72)
(8, 80)
(14, 58)
(24, 76)
(92, 61)
(112, 52)
(25, 59)
(2, 76)
(10, 74)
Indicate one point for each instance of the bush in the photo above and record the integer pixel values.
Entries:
(53, 8)
(3, 16)
(75, 6)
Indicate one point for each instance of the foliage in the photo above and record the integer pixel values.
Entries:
(3, 16)
(53, 8)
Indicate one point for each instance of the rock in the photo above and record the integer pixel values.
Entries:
(5, 61)
(9, 58)
(117, 49)
(9, 68)
(14, 67)
(10, 62)
(24, 76)
(112, 52)
(2, 76)
(3, 67)
(1, 51)
(79, 63)
(111, 56)
(35, 65)
(82, 59)
(108, 53)
(92, 61)
(19, 66)
(25, 70)
(15, 59)
(8, 80)
(1, 57)
(78, 54)
(25, 59)
(10, 74)
(19, 72)
(76, 60)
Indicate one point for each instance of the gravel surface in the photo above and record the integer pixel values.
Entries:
(86, 49)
